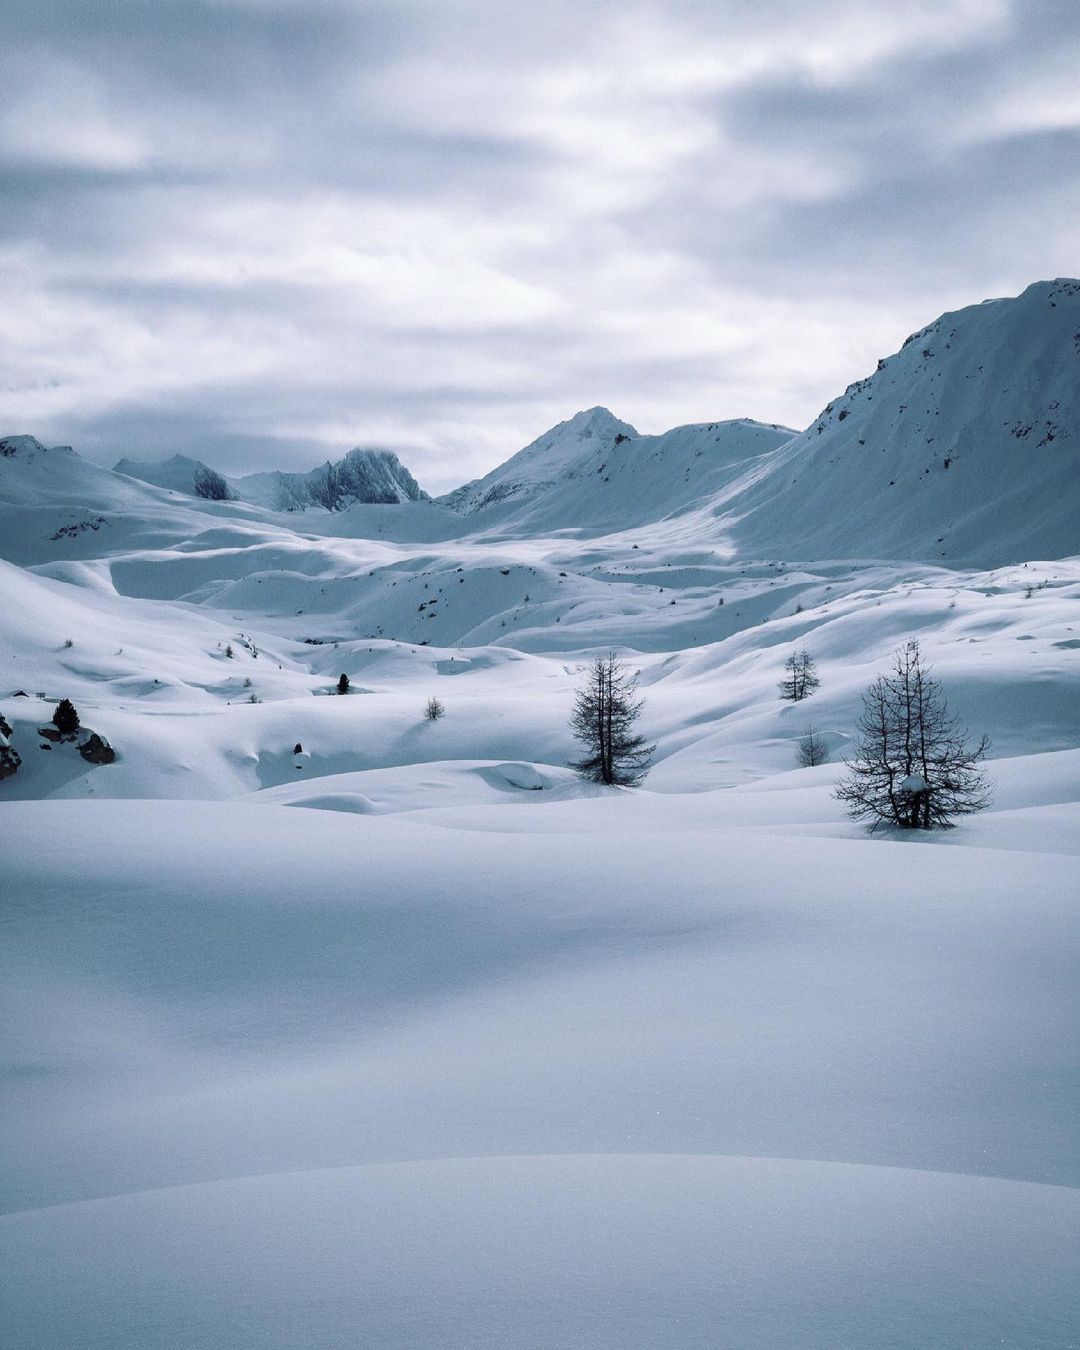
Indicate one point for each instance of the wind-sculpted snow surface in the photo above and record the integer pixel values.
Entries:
(329, 1024)
(629, 1013)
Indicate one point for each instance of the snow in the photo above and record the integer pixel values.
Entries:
(697, 1251)
(414, 1038)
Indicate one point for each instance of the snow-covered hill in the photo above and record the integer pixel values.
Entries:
(964, 446)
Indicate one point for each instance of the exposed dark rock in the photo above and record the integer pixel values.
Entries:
(97, 750)
(10, 758)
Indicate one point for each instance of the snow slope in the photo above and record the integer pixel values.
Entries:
(244, 995)
(564, 1251)
(963, 446)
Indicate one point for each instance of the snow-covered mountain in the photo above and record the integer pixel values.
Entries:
(179, 473)
(963, 446)
(555, 455)
(361, 477)
(595, 472)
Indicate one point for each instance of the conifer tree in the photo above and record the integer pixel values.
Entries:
(66, 718)
(605, 710)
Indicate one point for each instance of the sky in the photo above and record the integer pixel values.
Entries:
(263, 231)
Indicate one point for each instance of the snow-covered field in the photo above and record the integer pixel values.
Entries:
(413, 1039)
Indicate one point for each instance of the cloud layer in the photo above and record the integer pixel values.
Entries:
(263, 231)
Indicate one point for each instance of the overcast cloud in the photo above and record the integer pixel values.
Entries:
(263, 231)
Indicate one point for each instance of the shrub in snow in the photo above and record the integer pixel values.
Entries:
(298, 749)
(800, 677)
(229, 651)
(343, 683)
(68, 642)
(66, 718)
(605, 710)
(434, 710)
(911, 766)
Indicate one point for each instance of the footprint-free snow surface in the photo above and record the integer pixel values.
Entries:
(328, 1025)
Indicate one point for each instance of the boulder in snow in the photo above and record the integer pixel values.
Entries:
(10, 758)
(97, 750)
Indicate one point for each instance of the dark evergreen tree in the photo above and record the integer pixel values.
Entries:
(800, 677)
(343, 683)
(605, 710)
(66, 718)
(911, 767)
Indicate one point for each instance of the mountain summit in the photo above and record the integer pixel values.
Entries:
(543, 462)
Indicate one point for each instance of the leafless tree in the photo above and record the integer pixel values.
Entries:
(911, 766)
(800, 677)
(605, 710)
(811, 750)
(434, 709)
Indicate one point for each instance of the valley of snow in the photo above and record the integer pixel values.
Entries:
(411, 1038)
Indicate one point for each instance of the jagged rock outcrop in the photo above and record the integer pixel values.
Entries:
(362, 477)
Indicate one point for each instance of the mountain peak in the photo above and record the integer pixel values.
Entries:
(545, 461)
(10, 446)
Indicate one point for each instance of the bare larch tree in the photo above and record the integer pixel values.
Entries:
(800, 677)
(811, 749)
(605, 710)
(911, 766)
